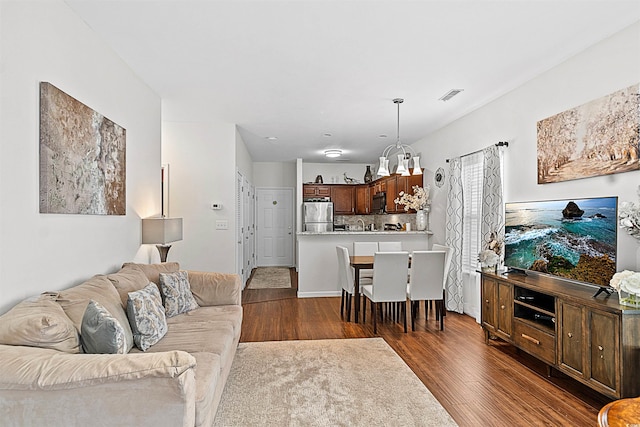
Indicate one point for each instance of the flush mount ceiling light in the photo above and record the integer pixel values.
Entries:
(447, 96)
(333, 153)
(401, 150)
(271, 138)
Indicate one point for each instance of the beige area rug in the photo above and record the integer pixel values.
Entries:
(345, 382)
(270, 278)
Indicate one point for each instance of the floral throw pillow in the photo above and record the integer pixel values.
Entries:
(177, 293)
(146, 316)
(101, 332)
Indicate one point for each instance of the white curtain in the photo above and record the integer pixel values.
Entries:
(453, 236)
(492, 200)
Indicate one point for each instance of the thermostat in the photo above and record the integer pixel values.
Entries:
(216, 206)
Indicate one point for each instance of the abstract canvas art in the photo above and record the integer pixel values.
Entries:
(82, 158)
(597, 138)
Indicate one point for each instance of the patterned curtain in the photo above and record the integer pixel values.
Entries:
(492, 201)
(453, 236)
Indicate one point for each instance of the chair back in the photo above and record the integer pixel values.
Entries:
(389, 246)
(365, 248)
(427, 272)
(447, 260)
(390, 271)
(345, 273)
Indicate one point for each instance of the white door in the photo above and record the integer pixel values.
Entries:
(274, 231)
(247, 223)
(239, 228)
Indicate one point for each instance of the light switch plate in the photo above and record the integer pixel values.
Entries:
(222, 224)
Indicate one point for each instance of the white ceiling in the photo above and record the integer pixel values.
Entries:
(300, 69)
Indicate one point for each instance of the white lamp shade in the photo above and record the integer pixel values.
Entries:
(417, 170)
(383, 169)
(161, 230)
(400, 169)
(405, 165)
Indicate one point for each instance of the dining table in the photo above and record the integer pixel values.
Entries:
(359, 262)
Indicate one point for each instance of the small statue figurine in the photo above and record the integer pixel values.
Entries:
(349, 180)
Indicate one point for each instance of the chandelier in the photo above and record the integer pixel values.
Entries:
(404, 152)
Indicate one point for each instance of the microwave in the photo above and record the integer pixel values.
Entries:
(379, 203)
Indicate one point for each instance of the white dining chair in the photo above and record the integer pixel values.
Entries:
(365, 249)
(390, 246)
(447, 266)
(346, 280)
(389, 284)
(425, 283)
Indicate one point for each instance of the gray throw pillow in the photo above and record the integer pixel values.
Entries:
(146, 316)
(177, 293)
(101, 333)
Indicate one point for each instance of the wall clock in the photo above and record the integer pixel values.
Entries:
(439, 177)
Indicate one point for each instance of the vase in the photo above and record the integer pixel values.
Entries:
(368, 177)
(631, 300)
(489, 269)
(421, 220)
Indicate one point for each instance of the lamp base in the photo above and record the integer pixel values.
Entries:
(164, 250)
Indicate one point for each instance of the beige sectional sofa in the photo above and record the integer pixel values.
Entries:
(47, 379)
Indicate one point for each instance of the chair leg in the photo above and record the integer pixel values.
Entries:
(375, 323)
(404, 315)
(349, 298)
(364, 310)
(443, 310)
(342, 305)
(426, 310)
(413, 305)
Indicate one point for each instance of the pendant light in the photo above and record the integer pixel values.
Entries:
(402, 149)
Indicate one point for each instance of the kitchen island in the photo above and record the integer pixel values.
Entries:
(318, 262)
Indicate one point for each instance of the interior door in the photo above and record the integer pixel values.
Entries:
(239, 228)
(274, 227)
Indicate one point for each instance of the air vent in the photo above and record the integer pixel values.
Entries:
(447, 96)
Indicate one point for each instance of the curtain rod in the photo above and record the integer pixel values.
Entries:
(498, 144)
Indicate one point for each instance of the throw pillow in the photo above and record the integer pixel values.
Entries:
(39, 322)
(101, 332)
(146, 316)
(177, 293)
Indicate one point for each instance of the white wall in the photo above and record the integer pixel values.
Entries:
(601, 69)
(275, 174)
(244, 162)
(202, 159)
(45, 41)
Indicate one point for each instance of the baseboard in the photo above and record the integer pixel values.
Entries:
(319, 294)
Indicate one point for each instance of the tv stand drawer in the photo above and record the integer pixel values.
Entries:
(534, 341)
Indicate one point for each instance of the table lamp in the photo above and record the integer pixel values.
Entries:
(160, 231)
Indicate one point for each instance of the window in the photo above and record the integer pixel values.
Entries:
(472, 166)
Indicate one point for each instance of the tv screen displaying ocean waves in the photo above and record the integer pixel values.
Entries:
(575, 238)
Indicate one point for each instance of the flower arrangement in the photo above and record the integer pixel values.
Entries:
(416, 201)
(627, 283)
(629, 215)
(488, 258)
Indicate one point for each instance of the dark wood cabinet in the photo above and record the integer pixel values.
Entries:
(316, 190)
(343, 198)
(593, 340)
(363, 200)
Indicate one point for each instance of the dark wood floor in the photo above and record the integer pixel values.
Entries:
(479, 384)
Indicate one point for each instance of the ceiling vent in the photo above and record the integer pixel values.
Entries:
(447, 96)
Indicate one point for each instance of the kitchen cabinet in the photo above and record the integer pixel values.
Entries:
(316, 190)
(592, 340)
(363, 200)
(343, 198)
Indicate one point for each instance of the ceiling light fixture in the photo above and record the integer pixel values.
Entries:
(447, 96)
(401, 150)
(333, 153)
(271, 138)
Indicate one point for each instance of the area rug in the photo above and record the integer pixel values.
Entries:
(345, 382)
(270, 278)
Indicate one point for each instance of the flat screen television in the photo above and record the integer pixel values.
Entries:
(574, 239)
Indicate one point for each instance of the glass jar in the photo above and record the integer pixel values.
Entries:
(631, 300)
(421, 220)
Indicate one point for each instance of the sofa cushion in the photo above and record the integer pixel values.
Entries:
(152, 271)
(229, 313)
(128, 280)
(101, 332)
(39, 322)
(177, 293)
(146, 315)
(207, 378)
(75, 300)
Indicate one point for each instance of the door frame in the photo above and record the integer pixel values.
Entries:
(291, 220)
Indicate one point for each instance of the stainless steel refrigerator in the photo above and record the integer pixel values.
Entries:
(318, 216)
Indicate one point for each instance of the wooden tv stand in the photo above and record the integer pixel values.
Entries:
(593, 340)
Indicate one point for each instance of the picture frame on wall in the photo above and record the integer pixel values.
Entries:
(598, 138)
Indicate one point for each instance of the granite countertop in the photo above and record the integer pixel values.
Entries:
(343, 232)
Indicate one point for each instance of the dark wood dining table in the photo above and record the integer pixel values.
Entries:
(359, 262)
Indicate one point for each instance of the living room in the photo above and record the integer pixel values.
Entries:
(47, 41)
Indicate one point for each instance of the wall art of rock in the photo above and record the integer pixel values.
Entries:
(597, 138)
(82, 158)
